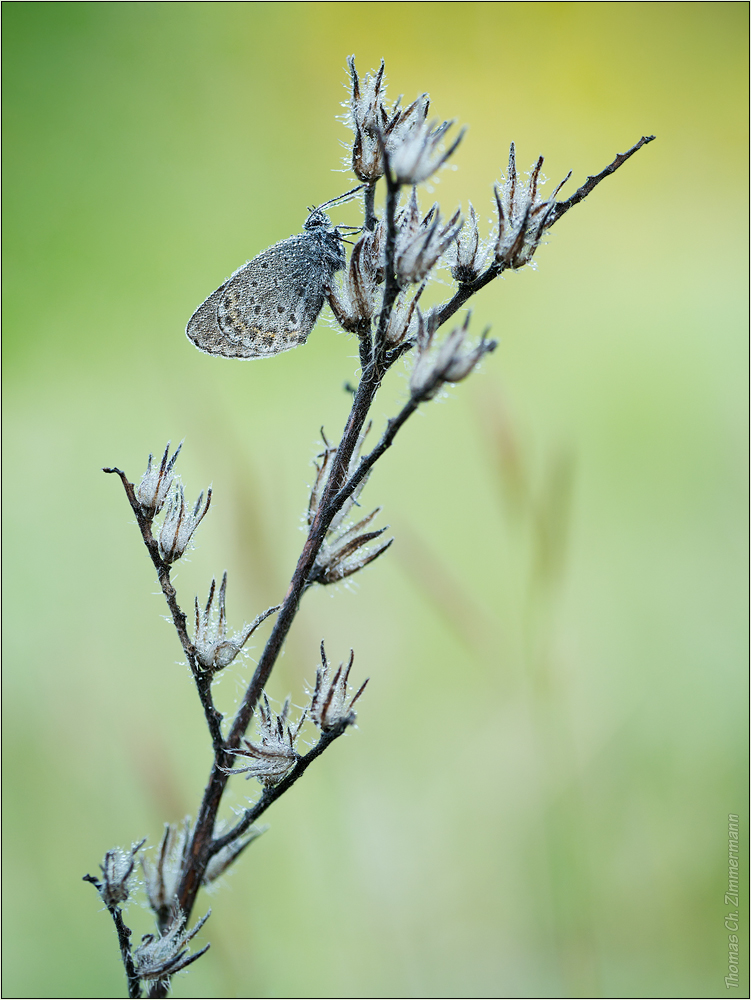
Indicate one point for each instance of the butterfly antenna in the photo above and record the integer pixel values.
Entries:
(341, 198)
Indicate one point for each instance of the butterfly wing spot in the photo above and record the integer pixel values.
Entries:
(236, 322)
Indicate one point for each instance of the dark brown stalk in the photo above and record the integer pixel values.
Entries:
(591, 182)
(391, 290)
(271, 794)
(466, 291)
(371, 220)
(331, 502)
(123, 939)
(376, 361)
(202, 679)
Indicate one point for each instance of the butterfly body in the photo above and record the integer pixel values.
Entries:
(271, 304)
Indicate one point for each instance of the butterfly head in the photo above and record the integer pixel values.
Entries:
(317, 222)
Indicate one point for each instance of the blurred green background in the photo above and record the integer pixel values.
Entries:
(535, 802)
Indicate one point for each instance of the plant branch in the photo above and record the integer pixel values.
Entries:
(199, 853)
(591, 182)
(466, 290)
(393, 427)
(331, 502)
(123, 939)
(338, 489)
(391, 289)
(521, 223)
(273, 792)
(371, 221)
(179, 619)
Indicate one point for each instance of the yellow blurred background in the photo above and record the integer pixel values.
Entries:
(535, 802)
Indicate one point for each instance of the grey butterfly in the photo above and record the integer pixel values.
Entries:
(271, 304)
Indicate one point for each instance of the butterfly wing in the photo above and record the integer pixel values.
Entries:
(268, 306)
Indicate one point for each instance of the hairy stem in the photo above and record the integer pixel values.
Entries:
(591, 182)
(331, 503)
(467, 290)
(203, 684)
(391, 290)
(376, 357)
(274, 792)
(123, 939)
(371, 220)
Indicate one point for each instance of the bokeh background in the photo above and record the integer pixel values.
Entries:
(535, 802)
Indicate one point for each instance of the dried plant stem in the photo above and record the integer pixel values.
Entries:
(407, 249)
(391, 290)
(593, 180)
(203, 846)
(466, 290)
(337, 491)
(272, 793)
(214, 717)
(123, 940)
(371, 220)
(123, 937)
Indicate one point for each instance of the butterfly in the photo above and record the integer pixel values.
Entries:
(271, 304)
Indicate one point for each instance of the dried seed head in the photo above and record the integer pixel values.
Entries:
(420, 243)
(161, 956)
(342, 555)
(416, 147)
(156, 482)
(179, 524)
(222, 860)
(323, 470)
(404, 318)
(523, 214)
(468, 252)
(214, 650)
(367, 118)
(353, 300)
(450, 362)
(322, 474)
(117, 872)
(163, 875)
(329, 709)
(274, 756)
(412, 144)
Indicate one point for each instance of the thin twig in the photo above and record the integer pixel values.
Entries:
(466, 291)
(331, 503)
(371, 220)
(203, 682)
(272, 793)
(391, 289)
(591, 182)
(123, 939)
